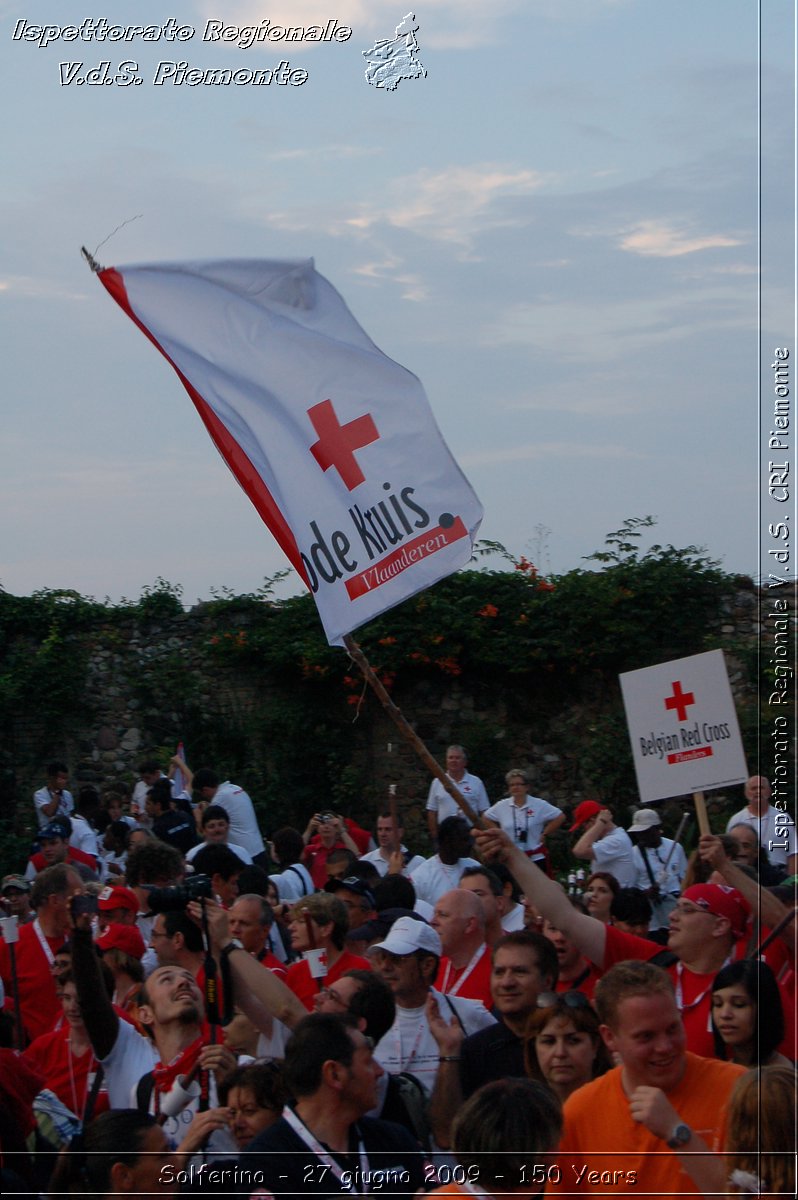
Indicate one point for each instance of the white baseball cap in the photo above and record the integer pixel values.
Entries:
(644, 818)
(407, 935)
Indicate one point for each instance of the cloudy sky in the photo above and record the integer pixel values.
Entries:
(556, 230)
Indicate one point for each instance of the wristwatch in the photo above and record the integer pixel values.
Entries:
(680, 1136)
(233, 944)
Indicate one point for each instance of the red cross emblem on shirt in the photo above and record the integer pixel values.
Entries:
(680, 700)
(337, 443)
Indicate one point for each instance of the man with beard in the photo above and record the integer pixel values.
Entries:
(173, 1075)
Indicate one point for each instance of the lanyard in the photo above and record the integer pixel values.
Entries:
(680, 1004)
(325, 1158)
(45, 945)
(455, 988)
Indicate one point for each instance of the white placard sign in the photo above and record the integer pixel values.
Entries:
(683, 727)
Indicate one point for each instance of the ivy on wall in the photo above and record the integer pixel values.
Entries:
(253, 688)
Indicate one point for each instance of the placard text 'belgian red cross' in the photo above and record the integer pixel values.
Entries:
(337, 443)
(680, 700)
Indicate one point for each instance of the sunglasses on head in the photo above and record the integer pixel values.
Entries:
(563, 1000)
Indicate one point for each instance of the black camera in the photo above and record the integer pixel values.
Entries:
(86, 903)
(177, 898)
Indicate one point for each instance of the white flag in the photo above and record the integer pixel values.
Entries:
(334, 443)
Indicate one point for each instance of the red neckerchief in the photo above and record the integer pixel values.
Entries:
(183, 1065)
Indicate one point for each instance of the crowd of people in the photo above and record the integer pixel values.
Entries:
(192, 1006)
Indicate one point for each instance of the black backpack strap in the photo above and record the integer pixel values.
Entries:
(144, 1089)
(456, 1013)
(91, 1099)
(301, 878)
(665, 958)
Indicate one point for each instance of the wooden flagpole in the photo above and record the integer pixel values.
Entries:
(408, 733)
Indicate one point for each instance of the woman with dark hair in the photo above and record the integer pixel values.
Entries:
(255, 1096)
(601, 890)
(563, 1046)
(120, 1153)
(504, 1138)
(747, 1015)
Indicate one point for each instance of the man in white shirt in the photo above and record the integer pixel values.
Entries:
(774, 827)
(407, 960)
(244, 829)
(389, 843)
(652, 851)
(53, 800)
(443, 870)
(173, 1012)
(215, 830)
(440, 804)
(607, 846)
(293, 880)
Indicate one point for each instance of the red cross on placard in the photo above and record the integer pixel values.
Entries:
(337, 443)
(680, 700)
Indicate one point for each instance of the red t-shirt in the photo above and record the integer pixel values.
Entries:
(585, 981)
(73, 855)
(267, 959)
(305, 987)
(471, 984)
(693, 990)
(38, 1002)
(70, 1076)
(316, 855)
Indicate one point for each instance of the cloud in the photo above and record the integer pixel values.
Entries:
(444, 24)
(451, 205)
(412, 286)
(26, 287)
(655, 239)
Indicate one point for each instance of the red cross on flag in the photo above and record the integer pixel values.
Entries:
(334, 443)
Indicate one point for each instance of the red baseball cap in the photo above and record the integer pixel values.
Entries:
(117, 897)
(721, 901)
(122, 937)
(584, 811)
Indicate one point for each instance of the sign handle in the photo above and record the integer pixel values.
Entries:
(701, 813)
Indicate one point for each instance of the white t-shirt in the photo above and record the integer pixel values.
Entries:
(132, 1056)
(83, 837)
(409, 1046)
(66, 806)
(776, 838)
(432, 878)
(293, 883)
(473, 789)
(613, 853)
(514, 919)
(243, 822)
(239, 851)
(657, 856)
(523, 823)
(375, 858)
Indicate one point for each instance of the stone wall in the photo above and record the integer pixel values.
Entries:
(149, 684)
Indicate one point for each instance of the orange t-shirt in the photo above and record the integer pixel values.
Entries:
(604, 1152)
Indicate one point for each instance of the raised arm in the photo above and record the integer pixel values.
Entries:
(102, 1023)
(258, 991)
(762, 902)
(588, 934)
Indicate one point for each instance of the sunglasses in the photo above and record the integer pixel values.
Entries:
(563, 1000)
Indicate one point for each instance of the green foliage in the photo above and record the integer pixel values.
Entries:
(293, 721)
